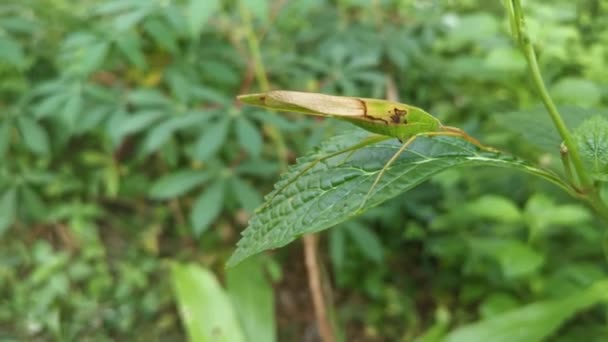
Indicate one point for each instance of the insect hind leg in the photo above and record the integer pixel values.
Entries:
(367, 141)
(396, 155)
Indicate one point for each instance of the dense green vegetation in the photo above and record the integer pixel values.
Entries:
(129, 170)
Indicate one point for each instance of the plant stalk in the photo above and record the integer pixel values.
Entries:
(517, 20)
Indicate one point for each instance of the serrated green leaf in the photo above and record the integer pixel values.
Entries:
(8, 208)
(533, 322)
(177, 184)
(34, 136)
(249, 136)
(332, 191)
(212, 139)
(199, 11)
(253, 300)
(204, 307)
(592, 140)
(207, 207)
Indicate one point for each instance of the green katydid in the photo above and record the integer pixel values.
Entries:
(386, 119)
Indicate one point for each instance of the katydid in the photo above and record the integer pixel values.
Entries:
(386, 119)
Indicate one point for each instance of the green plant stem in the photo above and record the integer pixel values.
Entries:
(589, 191)
(530, 54)
(260, 74)
(254, 49)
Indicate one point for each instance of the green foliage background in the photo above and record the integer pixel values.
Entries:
(124, 155)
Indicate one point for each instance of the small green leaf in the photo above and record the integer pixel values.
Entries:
(207, 207)
(533, 322)
(212, 139)
(332, 191)
(249, 136)
(199, 11)
(515, 258)
(542, 213)
(34, 136)
(204, 307)
(138, 121)
(177, 184)
(495, 208)
(592, 140)
(8, 208)
(253, 299)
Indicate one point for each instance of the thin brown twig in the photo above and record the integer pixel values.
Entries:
(316, 289)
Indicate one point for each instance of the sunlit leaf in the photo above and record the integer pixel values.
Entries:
(204, 307)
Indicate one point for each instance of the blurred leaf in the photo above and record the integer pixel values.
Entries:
(247, 195)
(162, 34)
(161, 133)
(249, 137)
(366, 241)
(506, 59)
(207, 207)
(591, 138)
(212, 139)
(542, 213)
(34, 136)
(253, 299)
(129, 44)
(471, 28)
(12, 52)
(148, 97)
(535, 125)
(576, 91)
(515, 258)
(5, 137)
(137, 122)
(337, 250)
(495, 208)
(331, 192)
(259, 8)
(533, 322)
(177, 184)
(204, 306)
(8, 208)
(32, 203)
(198, 12)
